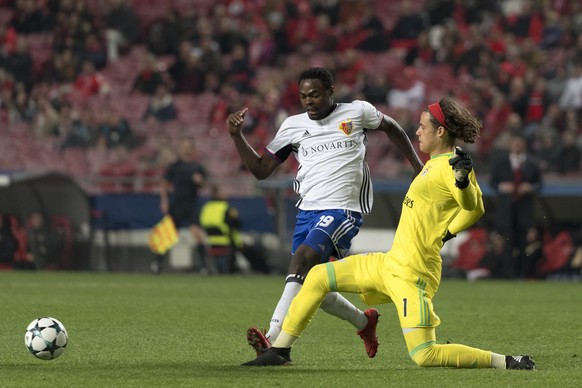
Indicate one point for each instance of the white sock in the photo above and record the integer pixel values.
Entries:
(291, 289)
(498, 361)
(337, 305)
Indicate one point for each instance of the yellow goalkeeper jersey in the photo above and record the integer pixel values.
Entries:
(433, 205)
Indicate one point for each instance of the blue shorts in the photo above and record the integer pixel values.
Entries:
(329, 232)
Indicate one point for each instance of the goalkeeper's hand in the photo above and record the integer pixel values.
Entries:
(462, 165)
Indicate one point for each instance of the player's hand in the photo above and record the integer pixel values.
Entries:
(462, 165)
(198, 179)
(235, 121)
(506, 187)
(525, 188)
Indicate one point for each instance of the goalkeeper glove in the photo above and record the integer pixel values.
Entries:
(448, 236)
(462, 165)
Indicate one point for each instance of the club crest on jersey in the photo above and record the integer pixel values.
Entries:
(346, 126)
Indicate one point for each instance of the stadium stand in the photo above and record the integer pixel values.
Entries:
(455, 62)
(517, 64)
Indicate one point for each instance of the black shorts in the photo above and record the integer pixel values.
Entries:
(185, 215)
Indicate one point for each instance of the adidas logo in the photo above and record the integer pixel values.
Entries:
(322, 247)
(306, 134)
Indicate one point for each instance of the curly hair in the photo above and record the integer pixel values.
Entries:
(318, 73)
(460, 123)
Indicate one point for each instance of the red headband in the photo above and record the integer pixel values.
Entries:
(436, 111)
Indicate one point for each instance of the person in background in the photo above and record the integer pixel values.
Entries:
(221, 222)
(516, 178)
(183, 179)
(570, 154)
(8, 243)
(121, 27)
(149, 76)
(82, 132)
(534, 252)
(442, 200)
(41, 242)
(115, 129)
(90, 82)
(161, 105)
(497, 260)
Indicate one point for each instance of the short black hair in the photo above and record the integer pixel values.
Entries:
(318, 73)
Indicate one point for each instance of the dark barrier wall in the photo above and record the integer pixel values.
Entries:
(63, 205)
(560, 202)
(142, 211)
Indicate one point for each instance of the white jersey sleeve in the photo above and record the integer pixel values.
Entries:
(372, 117)
(284, 143)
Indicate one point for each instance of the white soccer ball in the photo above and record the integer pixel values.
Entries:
(46, 338)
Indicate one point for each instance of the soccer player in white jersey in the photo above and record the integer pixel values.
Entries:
(334, 186)
(443, 200)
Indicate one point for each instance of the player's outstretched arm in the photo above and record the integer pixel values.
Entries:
(259, 166)
(397, 136)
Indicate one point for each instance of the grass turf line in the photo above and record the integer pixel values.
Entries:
(130, 330)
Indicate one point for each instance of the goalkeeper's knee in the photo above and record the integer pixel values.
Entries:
(421, 344)
(426, 356)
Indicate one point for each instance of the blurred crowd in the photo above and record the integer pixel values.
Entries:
(516, 63)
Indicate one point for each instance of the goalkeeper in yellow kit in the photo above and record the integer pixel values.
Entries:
(443, 200)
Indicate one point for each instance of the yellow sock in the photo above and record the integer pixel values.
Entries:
(285, 340)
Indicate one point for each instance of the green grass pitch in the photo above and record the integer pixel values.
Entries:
(140, 330)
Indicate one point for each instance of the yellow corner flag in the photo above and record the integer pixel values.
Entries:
(163, 236)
